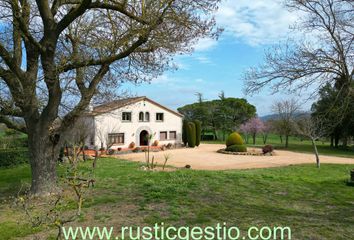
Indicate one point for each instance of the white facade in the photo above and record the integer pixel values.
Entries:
(146, 117)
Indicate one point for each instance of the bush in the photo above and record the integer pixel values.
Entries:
(184, 132)
(236, 148)
(13, 157)
(207, 137)
(110, 151)
(198, 131)
(267, 149)
(234, 139)
(13, 142)
(132, 145)
(137, 149)
(191, 134)
(156, 143)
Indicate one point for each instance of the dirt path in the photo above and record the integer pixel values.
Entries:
(205, 157)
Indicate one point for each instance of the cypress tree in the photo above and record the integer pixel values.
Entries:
(191, 134)
(198, 132)
(184, 132)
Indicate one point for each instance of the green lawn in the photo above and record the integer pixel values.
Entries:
(315, 203)
(296, 145)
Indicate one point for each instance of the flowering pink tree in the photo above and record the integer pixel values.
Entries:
(252, 127)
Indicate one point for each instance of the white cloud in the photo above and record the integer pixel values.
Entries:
(203, 59)
(255, 22)
(161, 79)
(205, 44)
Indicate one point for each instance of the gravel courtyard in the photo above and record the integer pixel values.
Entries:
(205, 157)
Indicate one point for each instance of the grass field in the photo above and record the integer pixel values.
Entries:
(296, 145)
(315, 203)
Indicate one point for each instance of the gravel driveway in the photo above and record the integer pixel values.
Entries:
(205, 157)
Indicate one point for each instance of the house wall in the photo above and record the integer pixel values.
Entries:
(112, 123)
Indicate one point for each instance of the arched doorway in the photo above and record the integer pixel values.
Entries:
(144, 138)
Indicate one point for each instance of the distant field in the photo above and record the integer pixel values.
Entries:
(296, 145)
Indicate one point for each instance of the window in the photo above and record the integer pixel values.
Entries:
(147, 116)
(173, 135)
(159, 117)
(116, 138)
(163, 136)
(141, 116)
(127, 116)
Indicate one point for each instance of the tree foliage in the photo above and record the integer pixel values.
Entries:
(224, 114)
(253, 127)
(337, 111)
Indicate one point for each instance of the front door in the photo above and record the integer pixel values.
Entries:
(144, 138)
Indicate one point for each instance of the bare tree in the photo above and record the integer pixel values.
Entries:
(312, 128)
(286, 111)
(57, 56)
(103, 133)
(323, 54)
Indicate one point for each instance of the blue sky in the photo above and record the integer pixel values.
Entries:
(250, 28)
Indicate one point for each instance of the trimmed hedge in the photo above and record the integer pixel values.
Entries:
(13, 157)
(184, 132)
(236, 148)
(191, 134)
(198, 132)
(234, 139)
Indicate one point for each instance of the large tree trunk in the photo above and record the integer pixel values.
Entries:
(286, 141)
(332, 140)
(336, 141)
(265, 137)
(43, 155)
(254, 139)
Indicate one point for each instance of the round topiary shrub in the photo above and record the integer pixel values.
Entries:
(236, 148)
(267, 149)
(234, 139)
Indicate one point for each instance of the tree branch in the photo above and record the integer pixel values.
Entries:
(73, 14)
(118, 7)
(106, 60)
(13, 125)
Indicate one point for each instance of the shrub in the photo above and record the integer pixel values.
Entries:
(198, 131)
(137, 149)
(184, 132)
(236, 148)
(234, 139)
(191, 134)
(132, 145)
(110, 151)
(13, 157)
(267, 149)
(13, 142)
(156, 143)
